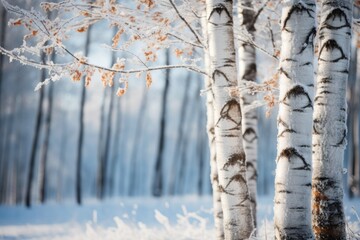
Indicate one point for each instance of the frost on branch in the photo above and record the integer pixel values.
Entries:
(151, 26)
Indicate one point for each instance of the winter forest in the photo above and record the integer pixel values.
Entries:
(179, 119)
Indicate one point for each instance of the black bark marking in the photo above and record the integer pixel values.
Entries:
(234, 159)
(297, 91)
(288, 153)
(280, 121)
(309, 40)
(282, 71)
(219, 9)
(284, 191)
(289, 130)
(297, 8)
(249, 135)
(336, 4)
(236, 178)
(217, 73)
(317, 126)
(325, 80)
(336, 13)
(231, 105)
(250, 72)
(306, 64)
(254, 175)
(342, 140)
(289, 60)
(331, 45)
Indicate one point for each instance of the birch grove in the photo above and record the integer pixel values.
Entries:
(230, 155)
(330, 114)
(292, 212)
(201, 35)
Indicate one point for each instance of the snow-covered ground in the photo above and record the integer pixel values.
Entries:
(133, 218)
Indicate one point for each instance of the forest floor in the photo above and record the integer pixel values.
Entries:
(134, 218)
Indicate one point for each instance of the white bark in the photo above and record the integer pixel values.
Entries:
(330, 113)
(210, 127)
(247, 72)
(292, 210)
(230, 154)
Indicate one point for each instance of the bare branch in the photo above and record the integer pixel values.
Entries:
(186, 22)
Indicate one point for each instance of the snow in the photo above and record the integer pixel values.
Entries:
(187, 217)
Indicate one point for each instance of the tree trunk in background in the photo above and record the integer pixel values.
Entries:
(45, 146)
(157, 188)
(62, 155)
(35, 140)
(115, 149)
(292, 210)
(329, 134)
(78, 188)
(200, 139)
(179, 139)
(247, 72)
(355, 168)
(134, 165)
(2, 43)
(353, 119)
(101, 168)
(3, 129)
(231, 162)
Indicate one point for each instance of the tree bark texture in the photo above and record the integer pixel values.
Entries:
(230, 155)
(329, 121)
(292, 210)
(247, 72)
(210, 129)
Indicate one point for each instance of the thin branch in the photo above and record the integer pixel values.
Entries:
(130, 71)
(259, 12)
(185, 41)
(260, 48)
(187, 24)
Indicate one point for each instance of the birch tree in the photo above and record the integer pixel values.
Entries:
(292, 211)
(230, 154)
(329, 121)
(247, 72)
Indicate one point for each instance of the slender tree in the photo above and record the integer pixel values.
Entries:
(45, 145)
(292, 211)
(157, 188)
(78, 184)
(180, 136)
(247, 66)
(35, 141)
(230, 154)
(329, 134)
(134, 164)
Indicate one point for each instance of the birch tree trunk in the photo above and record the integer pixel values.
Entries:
(330, 113)
(247, 72)
(210, 128)
(230, 154)
(292, 211)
